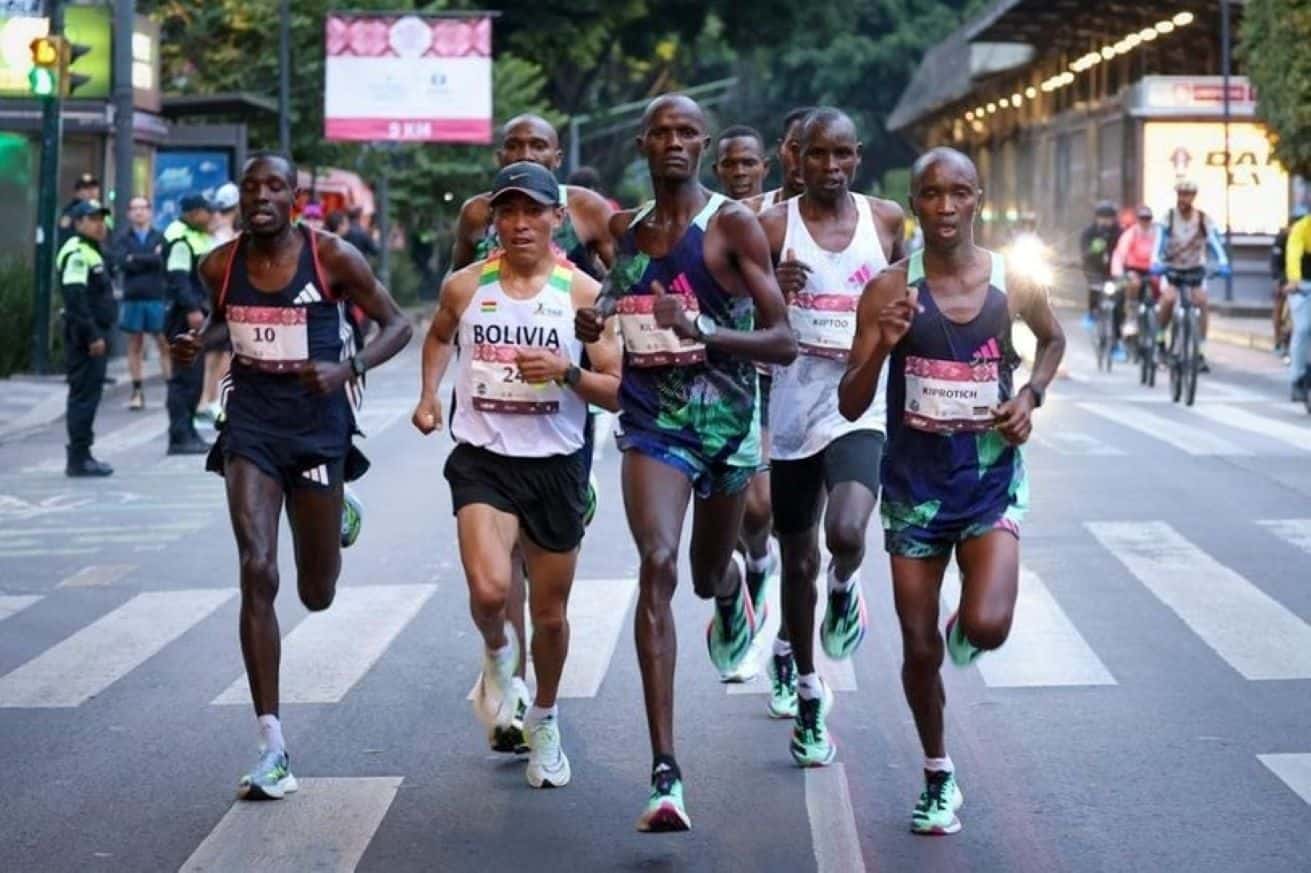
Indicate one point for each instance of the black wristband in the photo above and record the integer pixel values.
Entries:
(1038, 394)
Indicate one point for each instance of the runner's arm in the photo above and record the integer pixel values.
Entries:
(869, 351)
(893, 219)
(439, 342)
(1030, 301)
(772, 341)
(353, 278)
(211, 270)
(596, 214)
(469, 228)
(600, 383)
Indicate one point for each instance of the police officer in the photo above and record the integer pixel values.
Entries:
(186, 241)
(85, 189)
(89, 316)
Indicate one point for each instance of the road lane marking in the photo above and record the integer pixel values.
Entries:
(325, 826)
(1186, 437)
(598, 614)
(1074, 443)
(1250, 630)
(329, 652)
(1299, 437)
(15, 603)
(832, 821)
(840, 675)
(101, 653)
(1294, 769)
(1044, 647)
(97, 575)
(1293, 530)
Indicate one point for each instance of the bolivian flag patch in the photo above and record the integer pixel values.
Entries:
(489, 306)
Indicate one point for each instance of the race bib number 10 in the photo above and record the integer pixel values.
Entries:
(649, 345)
(272, 338)
(950, 396)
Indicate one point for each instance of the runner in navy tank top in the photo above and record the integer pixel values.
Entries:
(279, 293)
(953, 473)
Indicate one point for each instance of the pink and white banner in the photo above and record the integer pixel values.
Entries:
(408, 78)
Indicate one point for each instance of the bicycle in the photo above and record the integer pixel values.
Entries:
(1147, 328)
(1184, 356)
(1104, 330)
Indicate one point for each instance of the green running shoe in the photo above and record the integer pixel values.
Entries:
(664, 811)
(844, 622)
(270, 780)
(812, 746)
(782, 687)
(961, 651)
(935, 814)
(352, 518)
(729, 634)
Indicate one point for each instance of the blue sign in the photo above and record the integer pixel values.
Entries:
(187, 171)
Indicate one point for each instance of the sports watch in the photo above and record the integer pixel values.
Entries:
(706, 327)
(572, 376)
(357, 367)
(1038, 394)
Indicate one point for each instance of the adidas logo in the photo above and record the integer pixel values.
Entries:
(317, 475)
(681, 285)
(861, 276)
(309, 294)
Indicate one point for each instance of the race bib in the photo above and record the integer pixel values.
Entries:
(825, 324)
(497, 385)
(270, 338)
(950, 396)
(647, 344)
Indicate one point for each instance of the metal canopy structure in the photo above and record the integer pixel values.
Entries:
(1058, 31)
(237, 103)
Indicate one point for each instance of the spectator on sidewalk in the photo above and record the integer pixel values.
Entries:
(1297, 263)
(1279, 273)
(89, 315)
(139, 257)
(357, 236)
(335, 223)
(186, 241)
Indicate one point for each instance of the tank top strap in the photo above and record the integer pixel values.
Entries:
(702, 219)
(997, 278)
(865, 219)
(491, 272)
(312, 238)
(227, 268)
(915, 267)
(562, 277)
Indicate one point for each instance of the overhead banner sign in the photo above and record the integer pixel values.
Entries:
(408, 78)
(1258, 184)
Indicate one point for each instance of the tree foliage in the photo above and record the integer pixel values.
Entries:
(1276, 49)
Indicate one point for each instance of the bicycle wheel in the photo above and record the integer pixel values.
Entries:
(1150, 348)
(1176, 353)
(1193, 360)
(1108, 336)
(1103, 332)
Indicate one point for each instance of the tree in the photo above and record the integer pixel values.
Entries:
(1276, 49)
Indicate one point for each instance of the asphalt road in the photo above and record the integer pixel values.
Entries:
(1152, 710)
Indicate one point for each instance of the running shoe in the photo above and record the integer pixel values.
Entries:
(782, 686)
(844, 622)
(664, 811)
(589, 510)
(270, 780)
(811, 744)
(731, 630)
(493, 701)
(962, 652)
(137, 401)
(509, 738)
(548, 767)
(352, 517)
(935, 814)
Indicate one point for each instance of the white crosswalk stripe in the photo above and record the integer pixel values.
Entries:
(326, 826)
(11, 604)
(1293, 768)
(101, 653)
(1194, 440)
(1297, 436)
(97, 575)
(598, 613)
(1251, 631)
(833, 830)
(1294, 530)
(1074, 443)
(1044, 647)
(329, 652)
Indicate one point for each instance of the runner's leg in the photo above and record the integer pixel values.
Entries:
(990, 565)
(487, 537)
(314, 515)
(515, 604)
(254, 504)
(553, 577)
(916, 585)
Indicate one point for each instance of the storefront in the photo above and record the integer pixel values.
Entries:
(1063, 104)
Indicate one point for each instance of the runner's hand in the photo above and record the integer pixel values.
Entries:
(427, 415)
(588, 324)
(669, 312)
(195, 319)
(1012, 418)
(96, 349)
(184, 348)
(539, 366)
(792, 274)
(322, 377)
(895, 318)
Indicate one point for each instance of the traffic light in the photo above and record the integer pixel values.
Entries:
(47, 59)
(68, 81)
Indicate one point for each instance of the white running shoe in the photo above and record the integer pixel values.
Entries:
(493, 695)
(548, 766)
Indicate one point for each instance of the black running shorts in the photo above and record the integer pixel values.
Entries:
(797, 487)
(548, 495)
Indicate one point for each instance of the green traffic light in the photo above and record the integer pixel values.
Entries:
(41, 82)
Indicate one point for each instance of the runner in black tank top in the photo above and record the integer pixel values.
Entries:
(953, 479)
(279, 292)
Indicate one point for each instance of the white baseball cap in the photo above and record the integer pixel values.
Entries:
(226, 197)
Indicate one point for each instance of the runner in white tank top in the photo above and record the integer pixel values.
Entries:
(516, 473)
(829, 244)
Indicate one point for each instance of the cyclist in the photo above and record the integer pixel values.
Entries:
(1297, 268)
(1280, 315)
(1132, 261)
(1184, 236)
(1095, 246)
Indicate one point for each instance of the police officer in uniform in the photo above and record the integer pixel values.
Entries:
(186, 240)
(85, 190)
(89, 316)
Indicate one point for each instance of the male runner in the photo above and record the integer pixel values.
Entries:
(279, 291)
(517, 476)
(697, 303)
(789, 162)
(953, 476)
(583, 235)
(830, 243)
(741, 165)
(186, 241)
